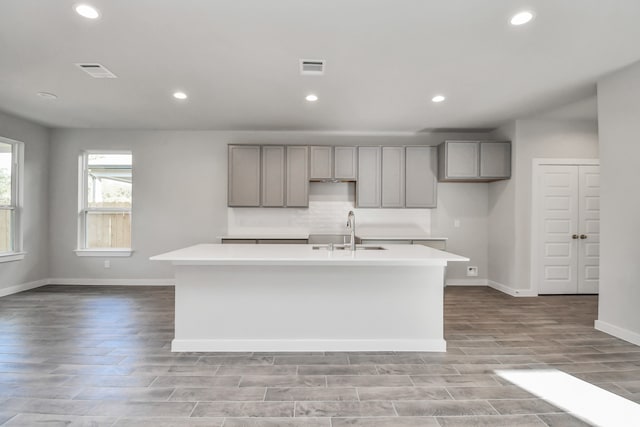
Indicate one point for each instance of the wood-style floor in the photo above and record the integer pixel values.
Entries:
(99, 356)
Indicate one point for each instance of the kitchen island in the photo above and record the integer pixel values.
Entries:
(308, 298)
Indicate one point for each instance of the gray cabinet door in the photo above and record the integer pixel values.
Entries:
(495, 159)
(282, 241)
(321, 166)
(369, 177)
(297, 176)
(460, 160)
(273, 169)
(421, 177)
(244, 175)
(345, 163)
(436, 244)
(393, 177)
(239, 241)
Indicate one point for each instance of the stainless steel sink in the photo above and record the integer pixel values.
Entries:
(346, 248)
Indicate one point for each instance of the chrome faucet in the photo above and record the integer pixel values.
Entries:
(351, 225)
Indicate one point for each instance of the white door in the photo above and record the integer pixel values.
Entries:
(589, 227)
(569, 249)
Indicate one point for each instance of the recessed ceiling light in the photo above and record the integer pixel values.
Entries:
(47, 95)
(521, 18)
(311, 98)
(438, 98)
(180, 95)
(87, 11)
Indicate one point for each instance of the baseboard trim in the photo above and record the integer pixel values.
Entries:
(466, 282)
(243, 345)
(511, 291)
(23, 287)
(618, 332)
(113, 282)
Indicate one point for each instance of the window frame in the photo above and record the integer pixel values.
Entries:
(17, 176)
(84, 209)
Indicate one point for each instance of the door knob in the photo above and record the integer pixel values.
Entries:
(583, 236)
(575, 236)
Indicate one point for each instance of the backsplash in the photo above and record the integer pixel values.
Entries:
(329, 204)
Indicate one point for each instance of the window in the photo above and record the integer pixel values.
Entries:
(10, 173)
(105, 204)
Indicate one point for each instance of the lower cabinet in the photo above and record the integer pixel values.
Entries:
(265, 241)
(436, 244)
(282, 241)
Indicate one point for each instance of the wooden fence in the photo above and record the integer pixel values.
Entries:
(5, 230)
(109, 230)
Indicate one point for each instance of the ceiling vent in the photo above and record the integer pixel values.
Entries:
(312, 67)
(97, 71)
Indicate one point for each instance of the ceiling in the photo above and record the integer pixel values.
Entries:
(238, 61)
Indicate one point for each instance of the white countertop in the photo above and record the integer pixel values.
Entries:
(397, 236)
(368, 235)
(230, 254)
(263, 236)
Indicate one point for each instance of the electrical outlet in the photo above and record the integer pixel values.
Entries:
(456, 223)
(472, 271)
(107, 263)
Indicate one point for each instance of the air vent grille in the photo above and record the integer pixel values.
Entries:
(312, 67)
(97, 71)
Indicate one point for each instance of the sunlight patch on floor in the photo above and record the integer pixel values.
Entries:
(580, 398)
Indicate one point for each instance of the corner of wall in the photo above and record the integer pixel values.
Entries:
(33, 270)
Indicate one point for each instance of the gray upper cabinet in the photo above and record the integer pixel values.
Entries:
(470, 161)
(393, 177)
(328, 162)
(244, 175)
(345, 163)
(495, 160)
(321, 166)
(369, 177)
(421, 177)
(460, 160)
(273, 173)
(297, 177)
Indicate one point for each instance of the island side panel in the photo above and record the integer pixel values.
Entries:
(309, 308)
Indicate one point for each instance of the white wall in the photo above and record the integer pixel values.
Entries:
(619, 122)
(510, 202)
(34, 216)
(468, 203)
(501, 219)
(179, 198)
(180, 189)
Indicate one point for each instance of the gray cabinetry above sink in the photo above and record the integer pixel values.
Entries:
(329, 163)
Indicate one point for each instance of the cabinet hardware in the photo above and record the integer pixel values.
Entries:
(583, 236)
(575, 236)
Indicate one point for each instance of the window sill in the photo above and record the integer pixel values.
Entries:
(104, 252)
(12, 256)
